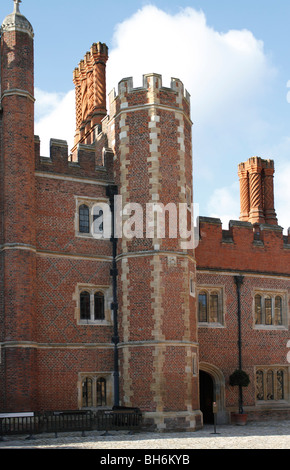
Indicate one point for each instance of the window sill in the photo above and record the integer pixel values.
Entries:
(210, 325)
(94, 322)
(270, 327)
(90, 236)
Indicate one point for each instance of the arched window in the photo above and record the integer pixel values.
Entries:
(101, 392)
(278, 311)
(260, 384)
(258, 310)
(268, 310)
(213, 307)
(270, 385)
(87, 392)
(84, 219)
(210, 306)
(99, 306)
(85, 306)
(202, 307)
(280, 385)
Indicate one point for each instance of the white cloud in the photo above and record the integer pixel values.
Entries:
(225, 73)
(282, 194)
(54, 117)
(224, 204)
(219, 70)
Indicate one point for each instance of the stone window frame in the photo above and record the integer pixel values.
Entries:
(210, 290)
(275, 401)
(93, 289)
(90, 202)
(95, 376)
(272, 294)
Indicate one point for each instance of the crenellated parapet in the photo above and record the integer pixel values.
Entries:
(152, 92)
(243, 246)
(90, 161)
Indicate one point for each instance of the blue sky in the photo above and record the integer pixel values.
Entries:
(232, 56)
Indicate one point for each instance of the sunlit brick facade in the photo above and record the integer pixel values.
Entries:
(175, 342)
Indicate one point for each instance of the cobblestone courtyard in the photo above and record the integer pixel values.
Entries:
(265, 435)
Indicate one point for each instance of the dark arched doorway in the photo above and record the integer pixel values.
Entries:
(206, 393)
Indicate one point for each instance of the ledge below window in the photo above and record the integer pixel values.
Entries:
(95, 322)
(210, 325)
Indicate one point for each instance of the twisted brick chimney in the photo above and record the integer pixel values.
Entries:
(257, 191)
(90, 92)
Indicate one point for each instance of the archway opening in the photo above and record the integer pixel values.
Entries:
(206, 394)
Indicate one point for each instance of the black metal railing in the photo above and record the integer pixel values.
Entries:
(20, 423)
(66, 421)
(69, 421)
(118, 419)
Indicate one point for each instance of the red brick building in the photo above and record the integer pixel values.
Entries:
(141, 318)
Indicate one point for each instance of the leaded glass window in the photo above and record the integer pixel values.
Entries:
(92, 305)
(84, 219)
(258, 309)
(99, 306)
(270, 384)
(260, 384)
(94, 391)
(280, 385)
(270, 309)
(85, 306)
(202, 307)
(210, 306)
(101, 392)
(87, 387)
(278, 310)
(213, 307)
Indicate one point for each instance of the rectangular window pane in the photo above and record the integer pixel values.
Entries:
(270, 385)
(213, 308)
(84, 219)
(202, 308)
(268, 310)
(260, 385)
(280, 385)
(258, 310)
(278, 311)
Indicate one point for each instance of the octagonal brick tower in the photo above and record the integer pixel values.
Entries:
(17, 205)
(149, 129)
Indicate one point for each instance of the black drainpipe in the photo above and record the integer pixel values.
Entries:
(112, 190)
(239, 281)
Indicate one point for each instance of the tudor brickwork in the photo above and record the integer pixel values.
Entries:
(17, 211)
(260, 253)
(143, 145)
(150, 158)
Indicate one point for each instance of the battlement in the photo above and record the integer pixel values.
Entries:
(151, 92)
(243, 246)
(90, 161)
